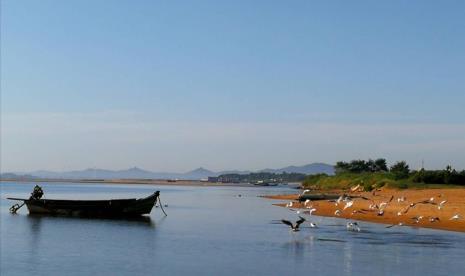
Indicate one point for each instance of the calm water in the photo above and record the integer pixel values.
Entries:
(210, 231)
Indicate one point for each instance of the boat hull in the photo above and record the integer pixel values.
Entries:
(93, 208)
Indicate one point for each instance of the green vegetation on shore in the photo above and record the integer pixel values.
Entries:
(375, 174)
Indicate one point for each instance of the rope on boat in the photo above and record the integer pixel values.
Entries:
(161, 206)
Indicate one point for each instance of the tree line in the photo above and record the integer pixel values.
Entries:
(401, 170)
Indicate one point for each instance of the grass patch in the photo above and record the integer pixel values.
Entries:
(368, 181)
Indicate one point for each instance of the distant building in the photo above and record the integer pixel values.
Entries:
(212, 179)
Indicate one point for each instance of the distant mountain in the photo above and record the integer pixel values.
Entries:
(234, 172)
(16, 176)
(200, 173)
(96, 174)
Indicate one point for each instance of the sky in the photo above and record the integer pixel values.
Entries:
(175, 85)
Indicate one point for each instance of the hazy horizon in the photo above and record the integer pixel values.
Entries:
(173, 86)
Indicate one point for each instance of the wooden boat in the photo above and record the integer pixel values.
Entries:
(265, 183)
(87, 208)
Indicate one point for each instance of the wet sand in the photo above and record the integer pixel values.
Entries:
(360, 209)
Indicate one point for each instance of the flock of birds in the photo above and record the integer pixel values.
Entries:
(345, 202)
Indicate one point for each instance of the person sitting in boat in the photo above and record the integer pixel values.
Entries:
(37, 193)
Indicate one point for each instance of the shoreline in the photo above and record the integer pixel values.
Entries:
(395, 212)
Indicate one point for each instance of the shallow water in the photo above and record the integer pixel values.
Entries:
(210, 231)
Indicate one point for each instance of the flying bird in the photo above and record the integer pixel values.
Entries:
(307, 203)
(339, 200)
(401, 199)
(455, 217)
(417, 219)
(297, 223)
(441, 204)
(311, 211)
(353, 226)
(337, 212)
(348, 205)
(406, 209)
(353, 189)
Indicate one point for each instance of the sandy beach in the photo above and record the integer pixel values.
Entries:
(396, 210)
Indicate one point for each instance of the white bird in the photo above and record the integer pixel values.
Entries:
(311, 211)
(417, 219)
(382, 205)
(289, 204)
(353, 226)
(337, 212)
(431, 199)
(339, 200)
(353, 189)
(455, 217)
(401, 199)
(441, 204)
(348, 204)
(305, 191)
(307, 202)
(313, 225)
(399, 213)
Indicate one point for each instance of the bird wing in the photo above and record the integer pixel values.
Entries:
(299, 222)
(406, 209)
(287, 223)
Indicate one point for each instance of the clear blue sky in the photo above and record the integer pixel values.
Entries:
(173, 85)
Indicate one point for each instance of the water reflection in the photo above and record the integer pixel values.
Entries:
(296, 247)
(348, 258)
(35, 226)
(144, 221)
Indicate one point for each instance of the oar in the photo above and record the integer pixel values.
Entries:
(15, 207)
